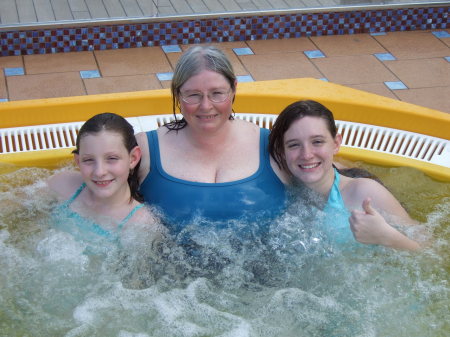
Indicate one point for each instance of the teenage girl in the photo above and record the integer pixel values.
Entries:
(303, 142)
(101, 199)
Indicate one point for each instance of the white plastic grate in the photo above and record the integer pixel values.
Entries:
(39, 137)
(396, 142)
(355, 135)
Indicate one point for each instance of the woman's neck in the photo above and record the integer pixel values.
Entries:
(210, 141)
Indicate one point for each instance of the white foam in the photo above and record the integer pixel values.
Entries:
(60, 246)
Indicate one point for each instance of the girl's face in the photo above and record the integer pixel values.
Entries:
(105, 163)
(206, 115)
(309, 149)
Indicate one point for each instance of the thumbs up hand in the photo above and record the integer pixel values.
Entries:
(369, 226)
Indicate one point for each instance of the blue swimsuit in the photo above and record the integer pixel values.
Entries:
(258, 197)
(84, 229)
(336, 224)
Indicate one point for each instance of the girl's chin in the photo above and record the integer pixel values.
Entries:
(307, 177)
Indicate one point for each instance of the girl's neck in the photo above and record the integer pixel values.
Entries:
(323, 186)
(111, 205)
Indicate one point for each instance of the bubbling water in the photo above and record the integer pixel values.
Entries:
(290, 283)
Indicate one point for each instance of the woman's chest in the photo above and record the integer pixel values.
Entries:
(211, 165)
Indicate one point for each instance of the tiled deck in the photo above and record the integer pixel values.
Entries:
(412, 66)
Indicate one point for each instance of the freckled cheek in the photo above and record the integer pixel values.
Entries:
(290, 157)
(85, 172)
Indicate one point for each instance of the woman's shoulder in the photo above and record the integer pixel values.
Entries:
(65, 183)
(245, 125)
(141, 138)
(245, 130)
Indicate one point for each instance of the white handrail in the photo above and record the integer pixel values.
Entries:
(355, 135)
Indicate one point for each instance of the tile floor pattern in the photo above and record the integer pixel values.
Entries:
(410, 66)
(47, 11)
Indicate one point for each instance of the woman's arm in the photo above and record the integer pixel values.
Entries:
(144, 166)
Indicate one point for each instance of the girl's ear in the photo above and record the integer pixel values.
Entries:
(337, 143)
(135, 156)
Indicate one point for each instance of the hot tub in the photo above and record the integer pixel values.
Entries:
(50, 287)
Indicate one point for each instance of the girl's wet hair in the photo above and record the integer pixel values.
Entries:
(296, 111)
(191, 63)
(114, 123)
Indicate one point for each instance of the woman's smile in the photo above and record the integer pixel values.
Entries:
(207, 117)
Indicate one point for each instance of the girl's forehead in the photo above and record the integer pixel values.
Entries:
(101, 134)
(309, 124)
(103, 137)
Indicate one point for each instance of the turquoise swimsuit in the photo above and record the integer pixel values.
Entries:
(335, 200)
(257, 198)
(84, 229)
(336, 223)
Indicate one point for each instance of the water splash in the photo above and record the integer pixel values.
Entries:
(291, 283)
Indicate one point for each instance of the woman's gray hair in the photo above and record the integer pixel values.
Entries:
(191, 63)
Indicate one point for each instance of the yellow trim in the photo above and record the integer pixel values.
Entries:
(81, 108)
(264, 97)
(267, 97)
(347, 104)
(42, 158)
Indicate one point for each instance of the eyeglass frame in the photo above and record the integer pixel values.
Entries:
(183, 98)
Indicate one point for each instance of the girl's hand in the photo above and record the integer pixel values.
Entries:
(369, 227)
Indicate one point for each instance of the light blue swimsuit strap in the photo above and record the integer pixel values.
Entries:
(75, 195)
(99, 229)
(128, 217)
(335, 198)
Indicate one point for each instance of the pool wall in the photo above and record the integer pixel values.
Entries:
(262, 97)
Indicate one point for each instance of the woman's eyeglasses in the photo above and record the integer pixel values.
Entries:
(217, 96)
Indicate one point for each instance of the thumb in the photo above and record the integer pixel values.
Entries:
(367, 207)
